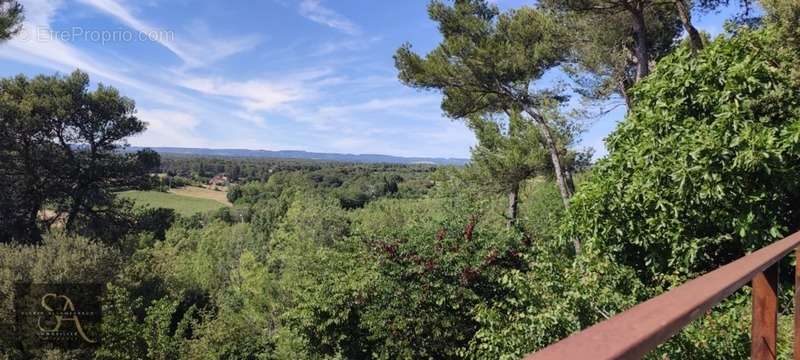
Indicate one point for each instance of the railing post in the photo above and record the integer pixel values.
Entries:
(765, 315)
(797, 304)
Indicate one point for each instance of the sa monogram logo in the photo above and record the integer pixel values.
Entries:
(60, 317)
(64, 316)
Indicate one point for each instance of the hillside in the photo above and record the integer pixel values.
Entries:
(299, 154)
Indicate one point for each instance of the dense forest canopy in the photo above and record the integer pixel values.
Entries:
(525, 245)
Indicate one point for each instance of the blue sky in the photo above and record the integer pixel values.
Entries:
(312, 75)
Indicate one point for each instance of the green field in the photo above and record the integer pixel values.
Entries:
(183, 205)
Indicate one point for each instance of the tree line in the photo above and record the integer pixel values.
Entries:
(242, 169)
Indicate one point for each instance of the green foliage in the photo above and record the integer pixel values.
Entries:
(703, 169)
(235, 193)
(486, 60)
(200, 293)
(358, 192)
(122, 334)
(541, 212)
(785, 15)
(605, 43)
(548, 302)
(724, 331)
(322, 276)
(487, 291)
(156, 221)
(508, 154)
(59, 145)
(230, 336)
(487, 64)
(446, 258)
(58, 259)
(11, 17)
(329, 261)
(203, 258)
(162, 336)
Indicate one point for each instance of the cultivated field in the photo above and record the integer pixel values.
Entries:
(183, 204)
(202, 193)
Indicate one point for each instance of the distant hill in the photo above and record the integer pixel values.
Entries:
(299, 154)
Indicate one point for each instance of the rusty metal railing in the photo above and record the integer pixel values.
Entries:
(635, 332)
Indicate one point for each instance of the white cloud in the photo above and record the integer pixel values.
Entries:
(171, 125)
(35, 45)
(193, 54)
(316, 12)
(168, 128)
(361, 145)
(398, 103)
(253, 95)
(198, 108)
(40, 11)
(363, 118)
(387, 126)
(351, 44)
(252, 118)
(447, 139)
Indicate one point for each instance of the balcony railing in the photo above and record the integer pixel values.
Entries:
(634, 333)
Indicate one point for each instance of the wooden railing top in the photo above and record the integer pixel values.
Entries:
(637, 331)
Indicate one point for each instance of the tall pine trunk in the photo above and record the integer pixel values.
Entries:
(641, 50)
(563, 179)
(564, 187)
(513, 201)
(32, 234)
(685, 14)
(623, 91)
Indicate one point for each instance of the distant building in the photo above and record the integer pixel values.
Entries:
(219, 180)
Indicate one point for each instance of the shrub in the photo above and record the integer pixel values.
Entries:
(705, 167)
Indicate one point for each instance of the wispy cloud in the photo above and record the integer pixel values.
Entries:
(254, 95)
(32, 47)
(40, 11)
(312, 101)
(193, 54)
(351, 44)
(382, 104)
(168, 127)
(360, 117)
(315, 11)
(177, 114)
(387, 125)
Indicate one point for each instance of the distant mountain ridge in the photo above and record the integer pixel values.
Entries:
(300, 154)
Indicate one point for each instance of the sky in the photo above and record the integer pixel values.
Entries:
(315, 75)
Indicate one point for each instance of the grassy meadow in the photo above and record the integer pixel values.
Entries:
(202, 193)
(185, 202)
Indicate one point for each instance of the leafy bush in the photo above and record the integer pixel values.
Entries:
(59, 259)
(156, 221)
(704, 169)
